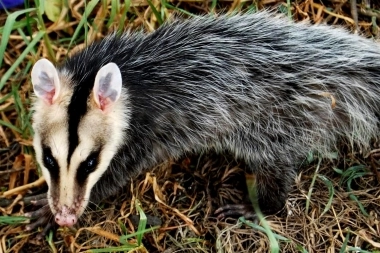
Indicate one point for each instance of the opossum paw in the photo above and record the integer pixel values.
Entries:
(42, 217)
(235, 211)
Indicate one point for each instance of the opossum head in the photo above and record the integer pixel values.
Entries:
(78, 131)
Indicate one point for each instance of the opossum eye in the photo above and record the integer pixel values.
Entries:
(87, 166)
(50, 163)
(91, 164)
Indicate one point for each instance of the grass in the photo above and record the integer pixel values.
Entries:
(333, 206)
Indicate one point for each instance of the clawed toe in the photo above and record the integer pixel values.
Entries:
(42, 218)
(43, 211)
(236, 210)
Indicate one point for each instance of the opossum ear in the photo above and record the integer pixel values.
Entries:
(45, 81)
(107, 86)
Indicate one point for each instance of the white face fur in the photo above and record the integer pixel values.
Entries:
(71, 175)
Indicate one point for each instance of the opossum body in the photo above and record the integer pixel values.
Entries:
(257, 86)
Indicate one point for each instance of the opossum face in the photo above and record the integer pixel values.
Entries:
(74, 146)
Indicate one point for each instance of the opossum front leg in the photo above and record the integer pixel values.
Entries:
(267, 190)
(44, 218)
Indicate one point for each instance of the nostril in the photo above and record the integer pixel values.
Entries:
(66, 219)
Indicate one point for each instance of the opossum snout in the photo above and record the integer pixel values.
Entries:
(66, 217)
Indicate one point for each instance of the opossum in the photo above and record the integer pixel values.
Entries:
(258, 86)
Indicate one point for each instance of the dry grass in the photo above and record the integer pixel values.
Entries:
(334, 213)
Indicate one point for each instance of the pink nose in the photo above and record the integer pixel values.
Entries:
(65, 220)
(65, 217)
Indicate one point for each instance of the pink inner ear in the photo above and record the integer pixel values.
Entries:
(49, 96)
(103, 102)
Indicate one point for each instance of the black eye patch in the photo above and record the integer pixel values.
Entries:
(50, 163)
(87, 167)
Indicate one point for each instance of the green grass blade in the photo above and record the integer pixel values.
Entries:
(213, 6)
(252, 193)
(124, 238)
(3, 99)
(8, 27)
(29, 20)
(9, 125)
(89, 7)
(155, 12)
(354, 198)
(337, 170)
(27, 50)
(42, 27)
(169, 6)
(17, 102)
(12, 220)
(49, 239)
(289, 7)
(344, 246)
(357, 249)
(312, 185)
(122, 227)
(348, 176)
(19, 24)
(301, 249)
(23, 117)
(115, 6)
(127, 5)
(118, 249)
(163, 8)
(260, 228)
(330, 186)
(142, 222)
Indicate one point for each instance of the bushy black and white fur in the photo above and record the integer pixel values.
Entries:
(258, 86)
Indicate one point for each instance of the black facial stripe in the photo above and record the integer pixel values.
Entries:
(50, 164)
(87, 166)
(83, 68)
(76, 110)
